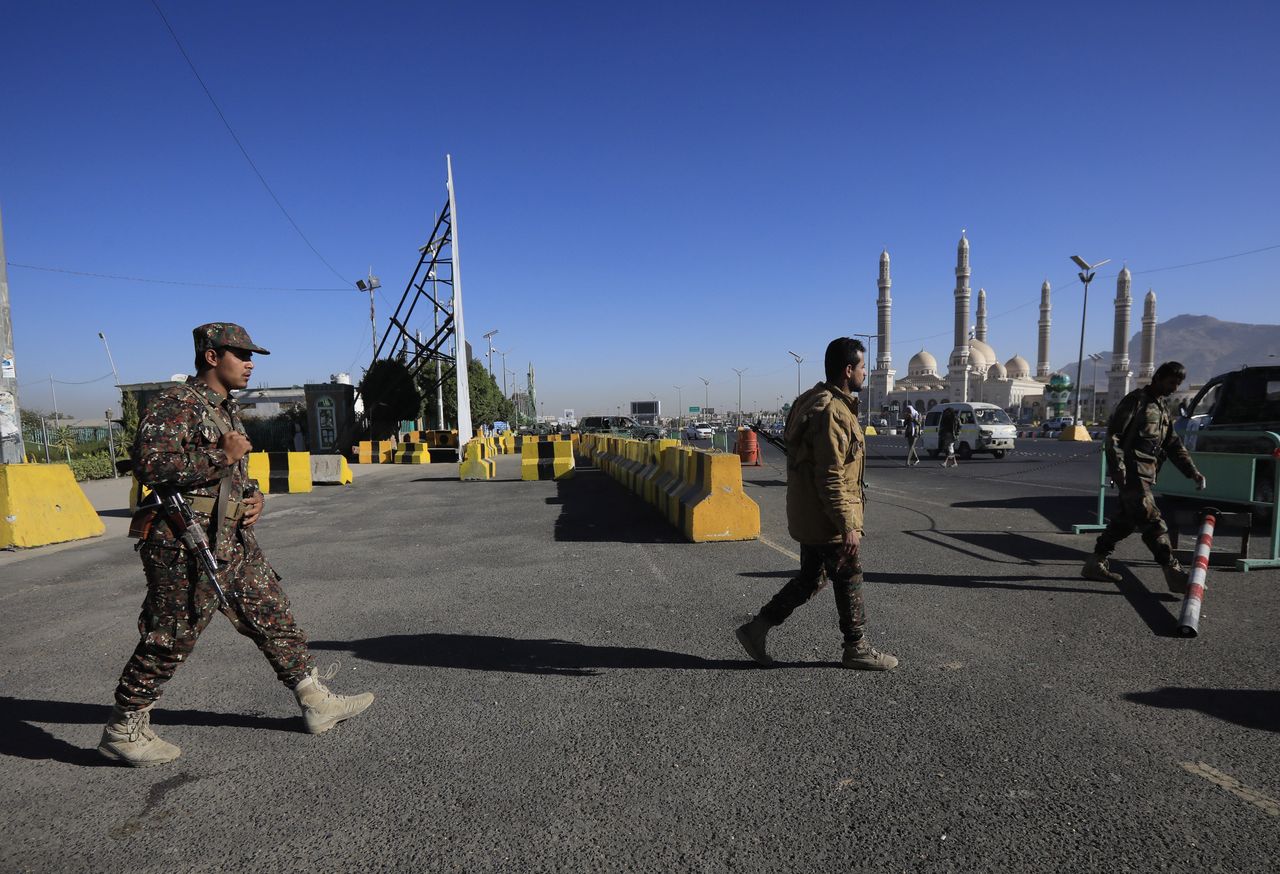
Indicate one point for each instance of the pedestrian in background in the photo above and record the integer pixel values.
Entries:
(911, 430)
(826, 453)
(192, 440)
(948, 435)
(1140, 437)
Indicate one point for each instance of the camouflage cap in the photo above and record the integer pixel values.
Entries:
(217, 335)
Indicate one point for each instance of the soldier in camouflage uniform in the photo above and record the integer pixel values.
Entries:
(1140, 437)
(191, 439)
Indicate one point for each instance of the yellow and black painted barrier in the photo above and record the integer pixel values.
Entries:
(546, 459)
(411, 453)
(42, 504)
(477, 461)
(375, 451)
(281, 472)
(698, 492)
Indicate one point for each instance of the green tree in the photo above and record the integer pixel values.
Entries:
(63, 438)
(128, 421)
(487, 403)
(390, 396)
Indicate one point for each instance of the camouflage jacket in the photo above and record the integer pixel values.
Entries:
(825, 456)
(1140, 437)
(177, 445)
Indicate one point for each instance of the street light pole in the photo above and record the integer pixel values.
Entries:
(706, 395)
(489, 339)
(369, 286)
(740, 372)
(798, 361)
(111, 446)
(1086, 276)
(1095, 357)
(679, 406)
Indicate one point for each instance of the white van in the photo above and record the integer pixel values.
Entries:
(983, 428)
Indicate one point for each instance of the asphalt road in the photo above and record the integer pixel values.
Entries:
(559, 689)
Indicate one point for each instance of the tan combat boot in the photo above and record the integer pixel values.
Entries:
(752, 637)
(128, 738)
(1175, 577)
(322, 709)
(1096, 568)
(862, 656)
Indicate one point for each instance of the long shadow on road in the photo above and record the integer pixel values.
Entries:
(480, 652)
(1252, 708)
(20, 738)
(594, 507)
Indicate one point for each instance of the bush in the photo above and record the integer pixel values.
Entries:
(96, 466)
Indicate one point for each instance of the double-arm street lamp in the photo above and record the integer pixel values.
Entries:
(489, 339)
(740, 372)
(1086, 276)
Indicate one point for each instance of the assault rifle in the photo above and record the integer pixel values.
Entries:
(182, 519)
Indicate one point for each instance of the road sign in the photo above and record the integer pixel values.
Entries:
(695, 409)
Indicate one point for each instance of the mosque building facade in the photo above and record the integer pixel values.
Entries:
(974, 371)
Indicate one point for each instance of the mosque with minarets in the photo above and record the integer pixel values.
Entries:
(974, 371)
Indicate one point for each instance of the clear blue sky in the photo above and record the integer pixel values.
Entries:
(648, 193)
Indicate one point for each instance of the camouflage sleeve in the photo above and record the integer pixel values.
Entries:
(1178, 454)
(166, 451)
(1117, 425)
(830, 446)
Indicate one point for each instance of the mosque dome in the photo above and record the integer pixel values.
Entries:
(1018, 368)
(981, 356)
(922, 364)
(996, 371)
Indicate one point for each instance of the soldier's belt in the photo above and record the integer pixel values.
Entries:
(205, 505)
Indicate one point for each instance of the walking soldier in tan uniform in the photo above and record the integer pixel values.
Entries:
(1140, 437)
(826, 451)
(191, 441)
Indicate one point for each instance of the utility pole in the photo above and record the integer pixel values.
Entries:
(111, 444)
(369, 286)
(11, 448)
(740, 372)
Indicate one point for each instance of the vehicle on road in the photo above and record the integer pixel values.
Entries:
(1057, 424)
(983, 428)
(618, 425)
(699, 431)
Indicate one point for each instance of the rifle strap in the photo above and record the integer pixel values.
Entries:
(224, 495)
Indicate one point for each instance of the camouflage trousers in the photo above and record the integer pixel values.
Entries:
(1137, 512)
(176, 611)
(817, 565)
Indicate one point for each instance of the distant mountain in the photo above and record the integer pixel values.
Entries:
(1207, 346)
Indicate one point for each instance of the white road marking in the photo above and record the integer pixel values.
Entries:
(1263, 802)
(782, 549)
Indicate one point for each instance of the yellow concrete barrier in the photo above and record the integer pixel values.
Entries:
(715, 507)
(374, 451)
(42, 504)
(281, 472)
(546, 460)
(476, 463)
(411, 453)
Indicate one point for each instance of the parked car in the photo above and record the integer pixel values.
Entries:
(1057, 424)
(699, 431)
(983, 428)
(618, 425)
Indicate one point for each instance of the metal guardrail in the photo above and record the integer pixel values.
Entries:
(1233, 478)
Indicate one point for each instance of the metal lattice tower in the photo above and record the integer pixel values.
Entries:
(438, 265)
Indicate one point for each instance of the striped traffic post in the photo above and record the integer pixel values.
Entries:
(1189, 621)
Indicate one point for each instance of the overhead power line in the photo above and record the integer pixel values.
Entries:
(167, 281)
(240, 145)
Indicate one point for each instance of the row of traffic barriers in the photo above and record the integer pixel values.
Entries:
(698, 492)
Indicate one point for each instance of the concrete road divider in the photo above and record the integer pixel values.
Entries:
(42, 504)
(477, 462)
(331, 470)
(715, 506)
(546, 460)
(281, 472)
(411, 453)
(374, 451)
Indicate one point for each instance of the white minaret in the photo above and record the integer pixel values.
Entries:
(882, 375)
(1120, 379)
(980, 330)
(1148, 366)
(958, 366)
(1042, 355)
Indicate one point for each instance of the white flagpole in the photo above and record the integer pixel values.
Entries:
(460, 335)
